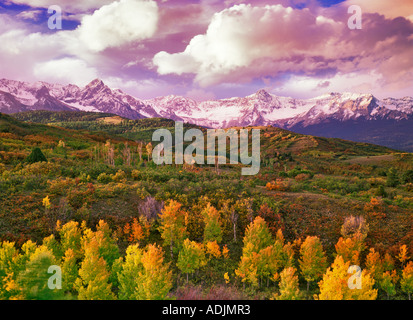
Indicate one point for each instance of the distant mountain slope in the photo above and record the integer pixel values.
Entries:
(393, 134)
(109, 123)
(50, 135)
(340, 115)
(273, 140)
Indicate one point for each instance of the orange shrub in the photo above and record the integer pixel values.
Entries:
(279, 185)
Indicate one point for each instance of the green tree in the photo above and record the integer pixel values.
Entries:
(191, 257)
(130, 275)
(36, 156)
(212, 231)
(144, 275)
(108, 248)
(388, 283)
(71, 238)
(392, 178)
(93, 281)
(34, 280)
(381, 192)
(53, 245)
(408, 176)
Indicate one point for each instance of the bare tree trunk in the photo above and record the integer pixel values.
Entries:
(234, 219)
(140, 151)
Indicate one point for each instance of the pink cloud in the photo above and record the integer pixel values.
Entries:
(244, 42)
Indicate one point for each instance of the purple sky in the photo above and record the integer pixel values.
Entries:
(210, 49)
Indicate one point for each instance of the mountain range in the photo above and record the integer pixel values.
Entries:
(351, 116)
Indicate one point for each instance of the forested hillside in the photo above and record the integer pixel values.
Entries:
(93, 202)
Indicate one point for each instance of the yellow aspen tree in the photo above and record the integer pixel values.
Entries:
(135, 231)
(288, 255)
(225, 252)
(172, 226)
(212, 249)
(144, 275)
(69, 271)
(349, 250)
(313, 261)
(406, 281)
(71, 238)
(247, 269)
(268, 261)
(403, 255)
(10, 290)
(108, 248)
(46, 202)
(334, 284)
(10, 265)
(28, 248)
(226, 278)
(93, 281)
(289, 289)
(388, 262)
(130, 275)
(374, 265)
(252, 266)
(258, 235)
(157, 278)
(149, 150)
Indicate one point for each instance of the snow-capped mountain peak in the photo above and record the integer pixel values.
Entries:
(260, 108)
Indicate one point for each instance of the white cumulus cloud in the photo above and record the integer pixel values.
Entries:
(245, 41)
(119, 23)
(65, 71)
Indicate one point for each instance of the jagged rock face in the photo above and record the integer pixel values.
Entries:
(261, 108)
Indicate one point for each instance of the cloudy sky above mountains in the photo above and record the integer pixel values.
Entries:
(207, 49)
